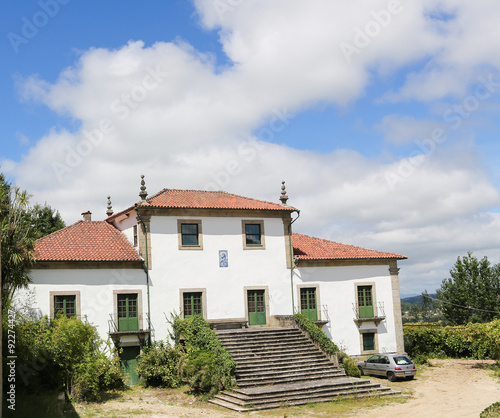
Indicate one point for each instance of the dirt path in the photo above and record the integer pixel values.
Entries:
(453, 388)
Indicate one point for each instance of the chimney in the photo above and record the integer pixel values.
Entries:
(87, 216)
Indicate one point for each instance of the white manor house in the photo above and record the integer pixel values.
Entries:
(232, 259)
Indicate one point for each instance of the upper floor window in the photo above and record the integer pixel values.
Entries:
(253, 234)
(190, 234)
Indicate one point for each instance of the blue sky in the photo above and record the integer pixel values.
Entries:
(380, 115)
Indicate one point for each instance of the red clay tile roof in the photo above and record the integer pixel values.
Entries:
(86, 241)
(201, 199)
(310, 248)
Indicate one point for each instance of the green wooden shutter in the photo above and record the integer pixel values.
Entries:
(193, 304)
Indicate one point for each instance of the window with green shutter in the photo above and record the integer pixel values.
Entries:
(368, 341)
(193, 304)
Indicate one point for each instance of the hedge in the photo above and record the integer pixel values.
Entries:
(476, 341)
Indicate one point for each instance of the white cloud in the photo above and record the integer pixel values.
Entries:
(169, 112)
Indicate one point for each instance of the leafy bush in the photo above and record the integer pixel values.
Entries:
(493, 411)
(208, 367)
(476, 341)
(158, 365)
(327, 345)
(63, 354)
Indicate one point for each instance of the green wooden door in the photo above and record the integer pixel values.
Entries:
(128, 318)
(128, 359)
(256, 307)
(365, 302)
(308, 306)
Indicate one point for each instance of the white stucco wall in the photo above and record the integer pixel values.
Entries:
(337, 291)
(174, 269)
(96, 288)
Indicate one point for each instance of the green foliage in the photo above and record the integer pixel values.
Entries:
(477, 341)
(318, 336)
(493, 411)
(473, 284)
(424, 308)
(327, 345)
(207, 367)
(158, 365)
(17, 239)
(46, 220)
(63, 354)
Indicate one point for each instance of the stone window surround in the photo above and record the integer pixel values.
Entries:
(139, 304)
(200, 234)
(262, 245)
(318, 301)
(203, 292)
(375, 337)
(75, 293)
(266, 301)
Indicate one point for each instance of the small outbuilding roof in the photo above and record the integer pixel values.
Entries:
(311, 248)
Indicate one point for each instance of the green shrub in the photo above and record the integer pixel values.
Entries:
(476, 341)
(493, 411)
(158, 365)
(327, 345)
(65, 354)
(208, 367)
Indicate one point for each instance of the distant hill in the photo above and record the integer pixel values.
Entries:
(417, 300)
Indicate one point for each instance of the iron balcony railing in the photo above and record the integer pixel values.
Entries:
(323, 314)
(378, 312)
(129, 325)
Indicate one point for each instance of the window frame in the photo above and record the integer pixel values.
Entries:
(75, 293)
(317, 294)
(203, 292)
(373, 297)
(375, 341)
(140, 311)
(197, 222)
(247, 246)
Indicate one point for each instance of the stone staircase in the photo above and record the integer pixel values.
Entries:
(282, 366)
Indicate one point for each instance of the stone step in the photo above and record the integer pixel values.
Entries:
(268, 345)
(287, 378)
(253, 374)
(280, 404)
(266, 365)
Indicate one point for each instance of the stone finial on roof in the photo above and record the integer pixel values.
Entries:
(283, 197)
(87, 216)
(143, 194)
(109, 212)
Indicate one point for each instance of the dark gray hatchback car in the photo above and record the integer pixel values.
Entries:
(390, 365)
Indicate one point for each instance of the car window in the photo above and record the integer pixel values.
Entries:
(372, 359)
(383, 360)
(402, 360)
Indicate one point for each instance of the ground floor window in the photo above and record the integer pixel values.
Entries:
(192, 304)
(64, 305)
(368, 341)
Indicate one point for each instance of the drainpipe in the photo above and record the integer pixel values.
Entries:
(292, 266)
(146, 267)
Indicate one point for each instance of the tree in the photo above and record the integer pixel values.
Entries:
(17, 237)
(46, 220)
(472, 294)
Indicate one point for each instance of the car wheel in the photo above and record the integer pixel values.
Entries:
(409, 377)
(361, 372)
(391, 376)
